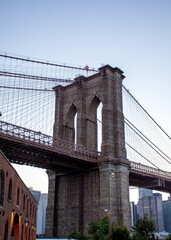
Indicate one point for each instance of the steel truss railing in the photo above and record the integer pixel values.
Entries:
(24, 135)
(146, 170)
(39, 139)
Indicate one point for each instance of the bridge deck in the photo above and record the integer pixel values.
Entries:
(24, 146)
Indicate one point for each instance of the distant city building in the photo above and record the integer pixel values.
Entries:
(134, 216)
(143, 192)
(153, 206)
(36, 194)
(167, 215)
(18, 207)
(41, 212)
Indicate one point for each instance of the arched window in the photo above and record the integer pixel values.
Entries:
(99, 127)
(6, 231)
(10, 190)
(27, 207)
(94, 124)
(15, 228)
(1, 187)
(69, 130)
(30, 208)
(18, 196)
(24, 201)
(33, 210)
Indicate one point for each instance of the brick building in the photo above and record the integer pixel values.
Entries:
(18, 207)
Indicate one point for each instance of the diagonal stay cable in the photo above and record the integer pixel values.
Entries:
(150, 145)
(166, 173)
(136, 129)
(146, 112)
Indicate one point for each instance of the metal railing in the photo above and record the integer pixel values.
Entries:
(37, 138)
(44, 141)
(147, 170)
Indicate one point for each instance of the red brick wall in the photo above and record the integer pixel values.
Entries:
(13, 213)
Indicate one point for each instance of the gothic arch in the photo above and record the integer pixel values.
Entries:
(87, 92)
(91, 123)
(95, 101)
(69, 130)
(15, 228)
(69, 119)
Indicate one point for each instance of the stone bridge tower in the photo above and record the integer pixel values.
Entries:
(81, 197)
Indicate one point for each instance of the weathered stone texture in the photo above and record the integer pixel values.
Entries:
(82, 197)
(78, 202)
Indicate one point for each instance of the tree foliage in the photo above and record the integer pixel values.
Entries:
(77, 235)
(144, 229)
(99, 230)
(119, 232)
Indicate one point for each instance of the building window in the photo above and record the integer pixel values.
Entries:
(27, 207)
(24, 201)
(33, 210)
(10, 190)
(1, 187)
(30, 208)
(18, 196)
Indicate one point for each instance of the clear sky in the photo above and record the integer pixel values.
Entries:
(134, 35)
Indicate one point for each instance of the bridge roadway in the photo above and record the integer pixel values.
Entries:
(24, 146)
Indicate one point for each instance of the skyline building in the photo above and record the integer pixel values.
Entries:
(167, 214)
(153, 206)
(41, 211)
(134, 216)
(143, 192)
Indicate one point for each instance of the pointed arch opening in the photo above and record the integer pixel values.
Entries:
(70, 128)
(99, 126)
(94, 125)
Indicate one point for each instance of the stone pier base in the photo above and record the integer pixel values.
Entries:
(77, 199)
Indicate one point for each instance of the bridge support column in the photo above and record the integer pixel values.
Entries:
(76, 202)
(51, 211)
(114, 191)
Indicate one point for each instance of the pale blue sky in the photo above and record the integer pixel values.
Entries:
(134, 35)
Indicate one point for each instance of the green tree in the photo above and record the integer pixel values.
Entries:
(77, 235)
(144, 229)
(119, 232)
(99, 230)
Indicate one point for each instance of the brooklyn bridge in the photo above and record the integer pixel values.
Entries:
(86, 128)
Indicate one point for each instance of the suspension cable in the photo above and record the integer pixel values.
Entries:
(48, 63)
(146, 111)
